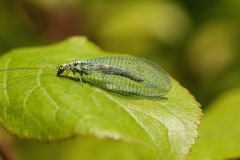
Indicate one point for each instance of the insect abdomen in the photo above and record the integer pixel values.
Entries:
(115, 70)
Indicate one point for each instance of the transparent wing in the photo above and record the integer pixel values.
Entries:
(121, 72)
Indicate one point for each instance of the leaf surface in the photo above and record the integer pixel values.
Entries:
(36, 104)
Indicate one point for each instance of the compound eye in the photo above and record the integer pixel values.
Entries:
(60, 70)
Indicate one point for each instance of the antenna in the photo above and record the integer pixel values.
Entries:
(11, 69)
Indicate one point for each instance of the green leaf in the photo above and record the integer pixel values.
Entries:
(219, 130)
(36, 104)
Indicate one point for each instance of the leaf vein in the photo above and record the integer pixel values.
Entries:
(145, 128)
(25, 105)
(137, 121)
(49, 97)
(5, 87)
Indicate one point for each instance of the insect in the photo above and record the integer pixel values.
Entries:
(125, 75)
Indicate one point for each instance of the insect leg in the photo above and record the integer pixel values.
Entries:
(67, 73)
(79, 76)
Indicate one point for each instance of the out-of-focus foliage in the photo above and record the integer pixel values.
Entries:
(220, 130)
(16, 29)
(82, 148)
(196, 41)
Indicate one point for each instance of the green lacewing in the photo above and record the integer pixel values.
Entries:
(124, 75)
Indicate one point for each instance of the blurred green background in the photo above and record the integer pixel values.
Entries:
(197, 42)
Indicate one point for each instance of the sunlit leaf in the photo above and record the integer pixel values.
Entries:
(36, 104)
